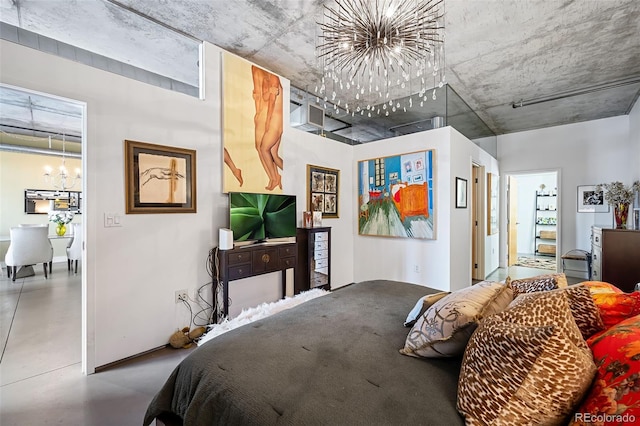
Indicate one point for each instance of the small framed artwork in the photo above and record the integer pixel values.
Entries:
(461, 193)
(590, 200)
(159, 179)
(323, 187)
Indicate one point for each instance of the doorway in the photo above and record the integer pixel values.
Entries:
(39, 129)
(533, 221)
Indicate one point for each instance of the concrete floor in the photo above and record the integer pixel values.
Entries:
(40, 372)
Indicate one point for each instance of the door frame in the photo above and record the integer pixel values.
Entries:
(478, 234)
(557, 171)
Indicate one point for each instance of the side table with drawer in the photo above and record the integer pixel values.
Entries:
(249, 261)
(615, 255)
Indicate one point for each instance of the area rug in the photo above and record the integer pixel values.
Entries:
(531, 262)
(261, 311)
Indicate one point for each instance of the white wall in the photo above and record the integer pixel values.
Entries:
(445, 263)
(586, 153)
(634, 138)
(133, 271)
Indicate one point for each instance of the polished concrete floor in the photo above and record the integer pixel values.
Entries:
(41, 381)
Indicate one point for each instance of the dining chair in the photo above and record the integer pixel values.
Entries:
(74, 249)
(29, 245)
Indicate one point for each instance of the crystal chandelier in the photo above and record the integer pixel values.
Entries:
(61, 180)
(380, 56)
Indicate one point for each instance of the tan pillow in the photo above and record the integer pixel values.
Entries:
(537, 283)
(584, 310)
(444, 329)
(525, 365)
(422, 305)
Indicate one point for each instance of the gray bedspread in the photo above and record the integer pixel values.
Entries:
(331, 360)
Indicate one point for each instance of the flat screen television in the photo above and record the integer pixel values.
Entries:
(257, 218)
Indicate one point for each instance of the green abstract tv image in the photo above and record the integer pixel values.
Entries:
(260, 217)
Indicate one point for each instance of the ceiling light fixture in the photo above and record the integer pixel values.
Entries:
(61, 180)
(375, 52)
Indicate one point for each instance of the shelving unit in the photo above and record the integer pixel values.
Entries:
(545, 224)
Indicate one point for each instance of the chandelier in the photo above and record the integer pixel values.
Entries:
(380, 56)
(61, 180)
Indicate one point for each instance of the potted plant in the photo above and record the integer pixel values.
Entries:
(620, 197)
(61, 218)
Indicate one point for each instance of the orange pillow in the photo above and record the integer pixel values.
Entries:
(615, 392)
(616, 307)
(601, 287)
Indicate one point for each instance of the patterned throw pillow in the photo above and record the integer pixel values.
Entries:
(614, 305)
(584, 310)
(422, 305)
(444, 329)
(537, 283)
(525, 365)
(597, 287)
(614, 397)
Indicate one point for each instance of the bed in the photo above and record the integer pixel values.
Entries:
(331, 360)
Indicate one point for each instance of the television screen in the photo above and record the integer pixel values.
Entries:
(259, 217)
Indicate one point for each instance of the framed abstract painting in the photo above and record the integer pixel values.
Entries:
(396, 196)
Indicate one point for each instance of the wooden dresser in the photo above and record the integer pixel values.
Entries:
(314, 259)
(615, 255)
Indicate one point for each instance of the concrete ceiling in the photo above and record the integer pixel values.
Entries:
(586, 52)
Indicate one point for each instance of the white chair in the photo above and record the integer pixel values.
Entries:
(29, 245)
(74, 249)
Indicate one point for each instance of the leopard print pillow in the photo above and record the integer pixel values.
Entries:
(537, 283)
(584, 310)
(525, 365)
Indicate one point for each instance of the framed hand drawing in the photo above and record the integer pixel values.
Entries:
(159, 179)
(323, 190)
(461, 193)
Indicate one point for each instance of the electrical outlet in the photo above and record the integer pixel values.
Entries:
(416, 269)
(182, 295)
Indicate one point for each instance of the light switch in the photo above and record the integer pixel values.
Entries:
(111, 220)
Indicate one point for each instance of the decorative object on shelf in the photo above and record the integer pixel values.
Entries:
(307, 219)
(461, 193)
(61, 218)
(159, 179)
(317, 219)
(620, 197)
(542, 187)
(492, 203)
(375, 56)
(396, 196)
(591, 200)
(61, 180)
(323, 190)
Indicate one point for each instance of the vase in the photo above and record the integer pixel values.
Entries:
(621, 213)
(61, 229)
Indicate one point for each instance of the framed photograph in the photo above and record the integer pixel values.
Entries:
(323, 190)
(590, 200)
(396, 196)
(159, 179)
(461, 193)
(492, 203)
